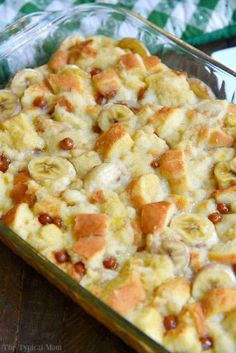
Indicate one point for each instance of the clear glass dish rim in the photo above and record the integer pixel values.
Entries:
(14, 241)
(62, 14)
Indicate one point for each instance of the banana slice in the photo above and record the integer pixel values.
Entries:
(224, 253)
(210, 277)
(117, 113)
(46, 169)
(178, 252)
(134, 45)
(200, 88)
(169, 244)
(76, 70)
(23, 79)
(9, 104)
(225, 173)
(195, 229)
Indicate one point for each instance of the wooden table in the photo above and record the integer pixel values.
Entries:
(36, 317)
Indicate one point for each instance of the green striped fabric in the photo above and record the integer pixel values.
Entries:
(195, 21)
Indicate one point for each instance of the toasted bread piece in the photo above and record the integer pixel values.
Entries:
(52, 205)
(20, 192)
(171, 88)
(107, 83)
(58, 60)
(114, 142)
(149, 143)
(65, 81)
(156, 216)
(22, 133)
(200, 88)
(213, 138)
(131, 61)
(195, 313)
(166, 121)
(173, 167)
(145, 189)
(219, 300)
(152, 63)
(125, 296)
(181, 202)
(49, 239)
(173, 294)
(86, 224)
(21, 219)
(230, 118)
(89, 246)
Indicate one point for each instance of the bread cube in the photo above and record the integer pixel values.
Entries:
(113, 143)
(156, 216)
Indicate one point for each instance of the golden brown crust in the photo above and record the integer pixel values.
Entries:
(162, 115)
(9, 217)
(20, 192)
(151, 62)
(173, 167)
(107, 141)
(107, 82)
(215, 138)
(173, 294)
(181, 202)
(125, 298)
(143, 189)
(220, 139)
(86, 225)
(58, 60)
(89, 246)
(67, 81)
(155, 216)
(131, 61)
(219, 300)
(196, 313)
(85, 47)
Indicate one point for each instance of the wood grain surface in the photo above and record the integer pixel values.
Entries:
(36, 317)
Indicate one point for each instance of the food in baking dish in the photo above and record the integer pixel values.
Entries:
(122, 172)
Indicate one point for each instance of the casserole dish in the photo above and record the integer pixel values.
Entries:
(33, 46)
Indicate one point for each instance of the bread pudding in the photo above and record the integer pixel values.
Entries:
(122, 172)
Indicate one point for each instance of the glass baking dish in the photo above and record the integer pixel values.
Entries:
(30, 42)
